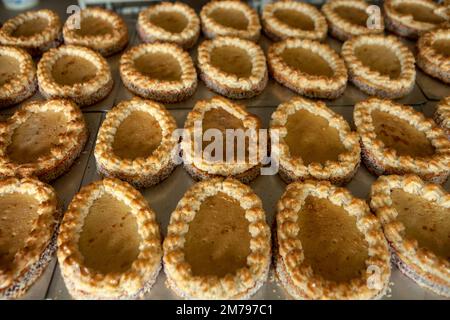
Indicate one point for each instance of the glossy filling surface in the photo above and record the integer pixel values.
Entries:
(94, 26)
(218, 240)
(307, 61)
(442, 47)
(419, 13)
(294, 19)
(310, 138)
(137, 136)
(399, 135)
(389, 65)
(160, 66)
(333, 246)
(9, 68)
(232, 60)
(69, 70)
(352, 15)
(231, 18)
(170, 21)
(30, 27)
(109, 239)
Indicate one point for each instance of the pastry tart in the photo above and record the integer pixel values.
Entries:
(34, 31)
(159, 71)
(204, 158)
(218, 242)
(392, 77)
(136, 143)
(442, 115)
(314, 142)
(396, 139)
(230, 18)
(29, 220)
(308, 67)
(329, 244)
(99, 29)
(17, 76)
(76, 73)
(173, 22)
(434, 54)
(410, 18)
(292, 19)
(416, 221)
(109, 246)
(349, 18)
(233, 67)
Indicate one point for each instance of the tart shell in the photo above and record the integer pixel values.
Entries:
(442, 115)
(430, 61)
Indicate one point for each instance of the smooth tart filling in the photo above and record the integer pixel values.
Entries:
(419, 12)
(370, 55)
(306, 61)
(231, 18)
(353, 15)
(70, 70)
(170, 21)
(92, 26)
(159, 66)
(9, 67)
(232, 60)
(31, 27)
(294, 19)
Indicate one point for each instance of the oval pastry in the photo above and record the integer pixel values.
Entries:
(74, 72)
(218, 242)
(434, 54)
(109, 246)
(169, 22)
(29, 220)
(99, 29)
(159, 71)
(442, 115)
(314, 142)
(396, 139)
(136, 143)
(415, 217)
(42, 139)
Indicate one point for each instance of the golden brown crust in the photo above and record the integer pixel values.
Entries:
(442, 115)
(429, 60)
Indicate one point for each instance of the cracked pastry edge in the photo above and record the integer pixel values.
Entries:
(245, 281)
(277, 30)
(163, 91)
(212, 29)
(61, 156)
(149, 32)
(442, 115)
(420, 264)
(113, 285)
(37, 44)
(382, 161)
(84, 94)
(314, 86)
(107, 44)
(372, 82)
(430, 61)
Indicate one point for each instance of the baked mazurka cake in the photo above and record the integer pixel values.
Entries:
(42, 139)
(442, 115)
(29, 220)
(109, 245)
(136, 143)
(416, 221)
(329, 245)
(218, 242)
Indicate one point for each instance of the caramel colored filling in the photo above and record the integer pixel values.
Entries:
(424, 221)
(17, 213)
(442, 47)
(231, 18)
(307, 61)
(94, 26)
(332, 244)
(232, 60)
(69, 70)
(399, 135)
(9, 69)
(294, 19)
(160, 66)
(352, 15)
(170, 21)
(389, 65)
(137, 136)
(419, 13)
(310, 138)
(218, 240)
(36, 136)
(109, 239)
(30, 28)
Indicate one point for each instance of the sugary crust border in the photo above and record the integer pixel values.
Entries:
(212, 29)
(442, 115)
(433, 268)
(112, 285)
(371, 81)
(150, 32)
(224, 169)
(83, 94)
(164, 91)
(140, 171)
(22, 85)
(61, 156)
(230, 286)
(312, 286)
(382, 160)
(335, 171)
(430, 61)
(343, 29)
(313, 86)
(278, 30)
(36, 44)
(106, 44)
